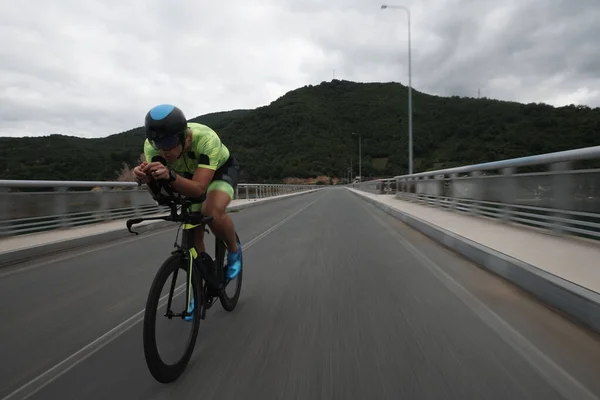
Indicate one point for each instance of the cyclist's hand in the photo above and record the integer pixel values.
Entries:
(157, 170)
(140, 174)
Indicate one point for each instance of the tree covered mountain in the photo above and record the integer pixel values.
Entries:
(309, 132)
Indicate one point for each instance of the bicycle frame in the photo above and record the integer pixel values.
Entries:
(190, 221)
(213, 277)
(189, 254)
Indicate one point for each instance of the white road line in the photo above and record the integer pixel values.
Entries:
(76, 253)
(554, 374)
(44, 379)
(271, 229)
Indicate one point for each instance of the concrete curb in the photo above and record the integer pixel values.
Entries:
(10, 258)
(579, 303)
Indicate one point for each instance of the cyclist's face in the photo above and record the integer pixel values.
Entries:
(172, 153)
(170, 148)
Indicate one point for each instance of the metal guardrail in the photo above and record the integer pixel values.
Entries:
(554, 191)
(27, 211)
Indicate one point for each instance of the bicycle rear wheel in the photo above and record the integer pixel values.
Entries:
(161, 371)
(227, 302)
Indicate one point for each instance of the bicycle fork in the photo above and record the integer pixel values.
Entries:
(189, 260)
(188, 289)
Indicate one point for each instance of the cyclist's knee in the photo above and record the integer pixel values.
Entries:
(216, 204)
(217, 213)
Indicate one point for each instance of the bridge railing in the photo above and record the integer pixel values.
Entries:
(29, 206)
(555, 191)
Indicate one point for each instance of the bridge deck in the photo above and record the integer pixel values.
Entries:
(340, 301)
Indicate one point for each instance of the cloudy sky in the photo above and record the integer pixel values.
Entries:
(93, 68)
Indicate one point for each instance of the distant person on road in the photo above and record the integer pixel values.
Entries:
(197, 163)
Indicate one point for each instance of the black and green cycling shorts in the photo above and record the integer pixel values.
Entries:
(226, 179)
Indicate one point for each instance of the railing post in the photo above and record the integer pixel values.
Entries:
(5, 209)
(509, 192)
(60, 205)
(138, 192)
(453, 191)
(475, 178)
(438, 189)
(562, 192)
(104, 204)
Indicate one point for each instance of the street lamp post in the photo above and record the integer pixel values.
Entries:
(410, 138)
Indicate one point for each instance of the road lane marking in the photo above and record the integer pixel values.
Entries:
(554, 374)
(44, 379)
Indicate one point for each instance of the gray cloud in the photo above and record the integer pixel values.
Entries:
(94, 68)
(531, 51)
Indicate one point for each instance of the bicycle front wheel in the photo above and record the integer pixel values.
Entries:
(161, 370)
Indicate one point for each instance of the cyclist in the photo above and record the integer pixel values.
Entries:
(197, 163)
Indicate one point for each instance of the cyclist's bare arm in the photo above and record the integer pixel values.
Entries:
(196, 186)
(193, 188)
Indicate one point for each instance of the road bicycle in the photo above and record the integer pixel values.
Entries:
(206, 280)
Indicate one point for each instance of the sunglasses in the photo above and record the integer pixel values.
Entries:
(167, 143)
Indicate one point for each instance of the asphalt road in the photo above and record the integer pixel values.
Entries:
(340, 301)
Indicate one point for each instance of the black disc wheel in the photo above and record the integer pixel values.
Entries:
(161, 307)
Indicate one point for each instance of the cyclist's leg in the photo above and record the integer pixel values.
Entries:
(198, 231)
(224, 181)
(219, 194)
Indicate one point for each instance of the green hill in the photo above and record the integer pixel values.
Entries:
(308, 132)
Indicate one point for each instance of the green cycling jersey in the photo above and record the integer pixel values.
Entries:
(206, 151)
